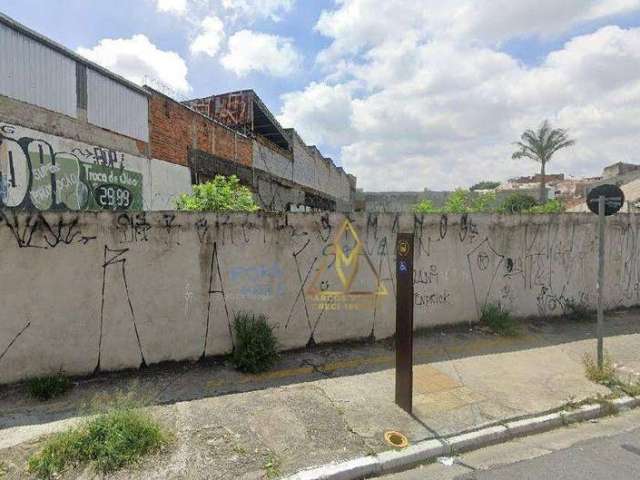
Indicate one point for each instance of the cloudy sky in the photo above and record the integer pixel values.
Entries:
(405, 94)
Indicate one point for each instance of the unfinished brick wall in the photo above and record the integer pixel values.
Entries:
(174, 129)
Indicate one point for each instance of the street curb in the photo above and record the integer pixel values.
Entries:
(427, 450)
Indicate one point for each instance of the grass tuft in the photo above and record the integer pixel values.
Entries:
(46, 388)
(608, 377)
(577, 311)
(499, 320)
(256, 348)
(605, 375)
(630, 388)
(109, 441)
(272, 466)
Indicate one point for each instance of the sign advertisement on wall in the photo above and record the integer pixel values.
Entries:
(44, 172)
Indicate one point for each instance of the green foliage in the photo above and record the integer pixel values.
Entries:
(256, 347)
(486, 185)
(516, 203)
(272, 466)
(465, 201)
(222, 194)
(46, 388)
(499, 320)
(551, 206)
(109, 441)
(630, 388)
(425, 206)
(608, 376)
(605, 375)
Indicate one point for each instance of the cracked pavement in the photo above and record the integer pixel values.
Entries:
(330, 403)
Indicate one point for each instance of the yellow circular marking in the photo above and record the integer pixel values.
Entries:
(403, 248)
(396, 439)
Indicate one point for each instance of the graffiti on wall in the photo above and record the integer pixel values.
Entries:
(316, 277)
(37, 174)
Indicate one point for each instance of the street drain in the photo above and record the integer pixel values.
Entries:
(396, 439)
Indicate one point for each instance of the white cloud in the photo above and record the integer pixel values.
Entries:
(356, 24)
(136, 57)
(176, 7)
(211, 35)
(416, 110)
(254, 51)
(252, 9)
(321, 113)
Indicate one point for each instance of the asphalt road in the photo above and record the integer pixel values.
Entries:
(608, 450)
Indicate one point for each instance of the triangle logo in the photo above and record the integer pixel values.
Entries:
(346, 269)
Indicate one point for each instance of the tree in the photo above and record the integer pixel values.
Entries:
(222, 194)
(485, 185)
(540, 145)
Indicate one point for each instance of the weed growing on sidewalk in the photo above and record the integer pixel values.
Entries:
(499, 320)
(3, 470)
(272, 466)
(605, 375)
(577, 311)
(608, 377)
(46, 388)
(109, 441)
(256, 348)
(631, 388)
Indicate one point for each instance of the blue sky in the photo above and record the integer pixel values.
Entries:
(404, 94)
(83, 23)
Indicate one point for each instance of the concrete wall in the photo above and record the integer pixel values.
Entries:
(273, 161)
(312, 170)
(392, 202)
(40, 172)
(88, 291)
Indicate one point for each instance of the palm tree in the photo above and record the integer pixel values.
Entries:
(540, 145)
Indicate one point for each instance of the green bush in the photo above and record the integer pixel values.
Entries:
(516, 203)
(425, 206)
(465, 201)
(108, 442)
(256, 346)
(222, 194)
(499, 320)
(552, 206)
(46, 388)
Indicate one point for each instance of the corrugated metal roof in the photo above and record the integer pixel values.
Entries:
(116, 108)
(61, 49)
(33, 73)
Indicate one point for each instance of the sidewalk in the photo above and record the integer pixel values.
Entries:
(333, 403)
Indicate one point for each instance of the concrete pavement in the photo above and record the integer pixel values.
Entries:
(333, 403)
(602, 450)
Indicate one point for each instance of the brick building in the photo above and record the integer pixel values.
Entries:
(99, 141)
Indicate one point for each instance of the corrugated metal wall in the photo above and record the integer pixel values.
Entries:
(116, 107)
(36, 74)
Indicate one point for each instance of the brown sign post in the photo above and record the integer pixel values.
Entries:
(404, 321)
